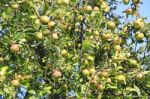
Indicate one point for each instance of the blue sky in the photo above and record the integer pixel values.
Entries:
(144, 8)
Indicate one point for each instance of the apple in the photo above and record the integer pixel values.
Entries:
(104, 74)
(126, 1)
(14, 48)
(105, 7)
(90, 58)
(107, 36)
(55, 36)
(56, 74)
(39, 35)
(63, 52)
(51, 24)
(100, 87)
(117, 40)
(88, 8)
(66, 1)
(86, 72)
(117, 47)
(15, 82)
(92, 70)
(140, 75)
(109, 80)
(93, 81)
(129, 11)
(111, 25)
(44, 19)
(139, 36)
(59, 1)
(133, 62)
(139, 23)
(120, 77)
(136, 1)
(15, 5)
(79, 17)
(96, 33)
(96, 8)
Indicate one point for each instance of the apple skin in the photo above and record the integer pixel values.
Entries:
(120, 77)
(138, 24)
(111, 25)
(85, 72)
(129, 11)
(39, 35)
(55, 36)
(126, 1)
(117, 47)
(44, 19)
(140, 76)
(51, 24)
(100, 87)
(14, 48)
(139, 36)
(92, 70)
(104, 74)
(56, 74)
(15, 82)
(63, 52)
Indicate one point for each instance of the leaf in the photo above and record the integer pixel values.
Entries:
(130, 89)
(32, 92)
(137, 90)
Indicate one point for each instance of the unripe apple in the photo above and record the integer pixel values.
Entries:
(126, 1)
(54, 35)
(111, 25)
(15, 5)
(90, 58)
(59, 1)
(51, 24)
(133, 62)
(39, 35)
(44, 19)
(96, 33)
(139, 36)
(63, 52)
(85, 72)
(138, 24)
(120, 77)
(56, 74)
(92, 70)
(79, 17)
(104, 74)
(117, 47)
(109, 80)
(107, 36)
(117, 40)
(15, 82)
(14, 48)
(140, 75)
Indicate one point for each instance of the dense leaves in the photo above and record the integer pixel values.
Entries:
(73, 48)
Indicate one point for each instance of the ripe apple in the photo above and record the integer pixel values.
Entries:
(66, 1)
(104, 74)
(111, 25)
(39, 35)
(92, 70)
(86, 72)
(15, 82)
(139, 23)
(63, 52)
(56, 74)
(126, 1)
(120, 77)
(51, 24)
(140, 75)
(96, 8)
(88, 8)
(100, 87)
(117, 47)
(55, 36)
(93, 81)
(14, 48)
(129, 11)
(139, 36)
(44, 19)
(136, 1)
(15, 5)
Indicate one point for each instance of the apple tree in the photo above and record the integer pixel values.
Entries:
(58, 49)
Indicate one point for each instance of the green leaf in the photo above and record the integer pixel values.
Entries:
(137, 90)
(32, 92)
